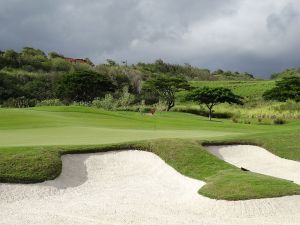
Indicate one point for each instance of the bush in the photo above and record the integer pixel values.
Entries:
(235, 119)
(160, 106)
(20, 102)
(279, 121)
(108, 102)
(126, 99)
(142, 107)
(50, 102)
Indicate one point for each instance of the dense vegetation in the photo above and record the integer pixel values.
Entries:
(30, 76)
(286, 89)
(287, 73)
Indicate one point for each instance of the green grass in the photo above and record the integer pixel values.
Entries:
(33, 140)
(82, 126)
(248, 88)
(253, 89)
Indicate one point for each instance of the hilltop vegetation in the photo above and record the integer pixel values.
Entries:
(30, 76)
(287, 73)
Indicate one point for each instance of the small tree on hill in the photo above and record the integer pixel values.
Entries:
(213, 96)
(166, 87)
(287, 88)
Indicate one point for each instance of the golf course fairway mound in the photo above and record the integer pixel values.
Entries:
(259, 160)
(132, 187)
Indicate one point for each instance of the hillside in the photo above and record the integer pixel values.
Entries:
(286, 73)
(245, 88)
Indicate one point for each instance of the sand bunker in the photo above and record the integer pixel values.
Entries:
(132, 187)
(258, 160)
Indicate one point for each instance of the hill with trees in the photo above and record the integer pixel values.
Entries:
(291, 72)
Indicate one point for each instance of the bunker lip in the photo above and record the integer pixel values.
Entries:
(132, 187)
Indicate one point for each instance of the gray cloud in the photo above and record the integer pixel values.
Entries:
(260, 37)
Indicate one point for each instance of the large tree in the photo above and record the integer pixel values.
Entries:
(213, 96)
(84, 86)
(287, 88)
(165, 87)
(9, 87)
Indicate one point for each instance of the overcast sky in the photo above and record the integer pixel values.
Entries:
(257, 36)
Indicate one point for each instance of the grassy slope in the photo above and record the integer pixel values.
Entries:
(247, 88)
(224, 181)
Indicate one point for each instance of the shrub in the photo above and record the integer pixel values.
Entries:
(126, 99)
(50, 102)
(160, 106)
(20, 102)
(235, 119)
(279, 121)
(108, 102)
(142, 107)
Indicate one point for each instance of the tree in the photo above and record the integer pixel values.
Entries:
(9, 87)
(213, 96)
(287, 88)
(88, 61)
(166, 87)
(12, 58)
(111, 62)
(28, 51)
(54, 55)
(60, 64)
(40, 87)
(84, 86)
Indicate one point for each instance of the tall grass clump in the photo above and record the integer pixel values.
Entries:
(262, 112)
(108, 102)
(126, 99)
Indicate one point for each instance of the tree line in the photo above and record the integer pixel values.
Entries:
(31, 76)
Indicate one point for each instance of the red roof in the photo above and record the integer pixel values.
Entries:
(72, 60)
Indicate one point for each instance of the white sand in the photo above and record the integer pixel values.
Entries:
(132, 187)
(258, 160)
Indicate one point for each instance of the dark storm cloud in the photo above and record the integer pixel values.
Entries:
(280, 22)
(254, 36)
